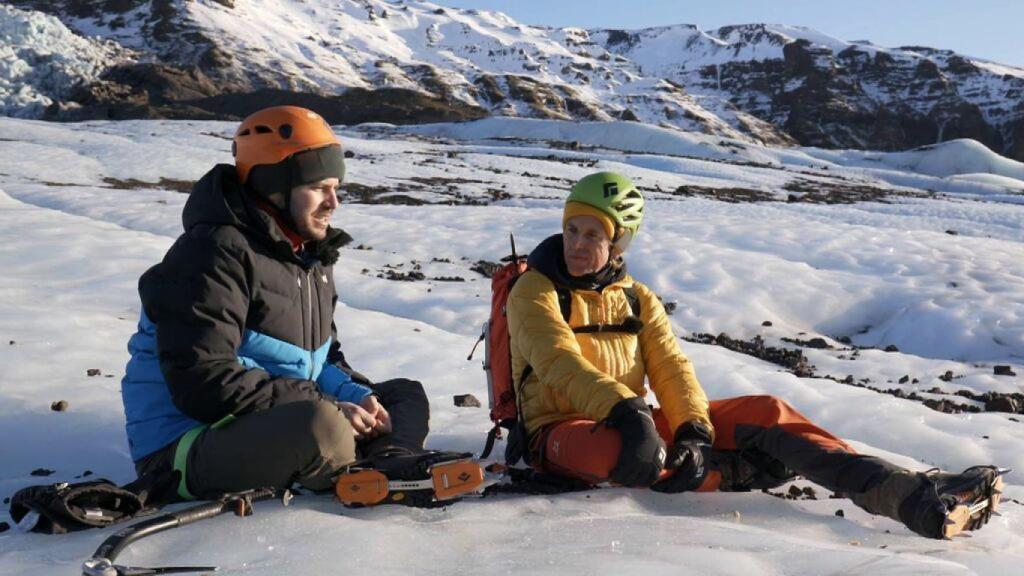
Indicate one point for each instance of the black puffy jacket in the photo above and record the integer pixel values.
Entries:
(233, 321)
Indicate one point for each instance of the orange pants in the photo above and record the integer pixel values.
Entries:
(765, 430)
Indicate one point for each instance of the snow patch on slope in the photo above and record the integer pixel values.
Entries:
(955, 157)
(42, 60)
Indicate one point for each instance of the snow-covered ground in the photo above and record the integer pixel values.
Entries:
(933, 266)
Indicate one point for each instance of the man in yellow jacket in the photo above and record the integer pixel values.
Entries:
(585, 336)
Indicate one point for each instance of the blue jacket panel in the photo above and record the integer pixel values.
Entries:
(152, 419)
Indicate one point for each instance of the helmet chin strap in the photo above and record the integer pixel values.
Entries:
(625, 237)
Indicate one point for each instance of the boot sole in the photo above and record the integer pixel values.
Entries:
(448, 480)
(965, 518)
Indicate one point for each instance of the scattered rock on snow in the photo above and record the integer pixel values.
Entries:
(403, 276)
(947, 377)
(944, 406)
(466, 401)
(794, 360)
(4, 527)
(180, 186)
(1004, 404)
(840, 513)
(817, 343)
(766, 323)
(42, 472)
(485, 268)
(93, 372)
(59, 406)
(1003, 370)
(891, 348)
(729, 195)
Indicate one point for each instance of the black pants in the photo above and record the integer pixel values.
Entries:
(306, 442)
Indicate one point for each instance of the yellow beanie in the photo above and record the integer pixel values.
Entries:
(580, 209)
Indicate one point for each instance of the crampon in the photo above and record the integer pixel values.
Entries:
(425, 480)
(971, 498)
(947, 504)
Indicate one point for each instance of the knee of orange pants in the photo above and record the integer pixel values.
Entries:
(586, 450)
(580, 449)
(766, 412)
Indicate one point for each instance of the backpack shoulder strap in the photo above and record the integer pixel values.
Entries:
(564, 302)
(633, 298)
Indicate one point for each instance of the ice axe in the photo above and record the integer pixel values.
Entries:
(102, 561)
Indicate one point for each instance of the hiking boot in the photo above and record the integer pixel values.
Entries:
(423, 480)
(947, 504)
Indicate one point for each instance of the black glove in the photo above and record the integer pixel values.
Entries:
(643, 451)
(689, 456)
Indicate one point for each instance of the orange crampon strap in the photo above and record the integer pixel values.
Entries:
(448, 480)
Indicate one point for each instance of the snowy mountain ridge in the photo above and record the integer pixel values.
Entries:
(772, 84)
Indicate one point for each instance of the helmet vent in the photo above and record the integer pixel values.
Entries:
(285, 130)
(261, 129)
(245, 132)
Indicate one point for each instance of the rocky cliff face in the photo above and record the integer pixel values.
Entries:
(360, 60)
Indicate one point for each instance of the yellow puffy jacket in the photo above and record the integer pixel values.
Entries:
(584, 375)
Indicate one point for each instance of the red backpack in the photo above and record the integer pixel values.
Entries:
(502, 390)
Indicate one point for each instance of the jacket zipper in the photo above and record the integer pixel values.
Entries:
(309, 304)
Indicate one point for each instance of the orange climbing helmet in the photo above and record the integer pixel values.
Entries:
(281, 147)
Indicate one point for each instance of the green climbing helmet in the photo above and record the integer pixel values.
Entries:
(616, 196)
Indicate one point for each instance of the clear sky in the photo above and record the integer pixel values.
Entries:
(991, 29)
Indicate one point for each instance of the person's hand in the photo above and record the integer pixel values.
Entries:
(382, 420)
(688, 456)
(361, 420)
(643, 452)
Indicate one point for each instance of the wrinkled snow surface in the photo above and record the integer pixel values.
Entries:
(73, 248)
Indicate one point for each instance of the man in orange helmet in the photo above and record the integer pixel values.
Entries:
(236, 378)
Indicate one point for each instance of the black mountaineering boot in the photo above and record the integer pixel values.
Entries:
(947, 504)
(425, 480)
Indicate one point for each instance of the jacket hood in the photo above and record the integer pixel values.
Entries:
(548, 258)
(218, 199)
